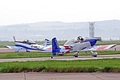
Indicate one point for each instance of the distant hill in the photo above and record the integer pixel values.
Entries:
(63, 31)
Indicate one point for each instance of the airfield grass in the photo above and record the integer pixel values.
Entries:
(7, 55)
(105, 65)
(4, 43)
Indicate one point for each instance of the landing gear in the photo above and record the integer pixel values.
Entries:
(51, 57)
(94, 54)
(18, 50)
(27, 50)
(76, 54)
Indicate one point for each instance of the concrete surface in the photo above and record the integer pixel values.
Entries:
(59, 76)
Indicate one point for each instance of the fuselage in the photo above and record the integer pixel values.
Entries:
(28, 45)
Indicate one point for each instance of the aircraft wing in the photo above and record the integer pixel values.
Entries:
(100, 47)
(14, 47)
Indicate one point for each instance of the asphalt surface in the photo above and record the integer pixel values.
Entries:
(59, 76)
(61, 58)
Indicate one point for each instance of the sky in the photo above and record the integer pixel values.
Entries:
(29, 11)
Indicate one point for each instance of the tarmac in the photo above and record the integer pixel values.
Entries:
(61, 58)
(59, 76)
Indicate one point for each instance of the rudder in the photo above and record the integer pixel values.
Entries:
(55, 47)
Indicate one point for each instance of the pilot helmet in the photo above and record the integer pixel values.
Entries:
(80, 38)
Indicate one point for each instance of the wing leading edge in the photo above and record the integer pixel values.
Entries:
(100, 47)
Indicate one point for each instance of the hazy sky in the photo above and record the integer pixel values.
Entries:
(27, 11)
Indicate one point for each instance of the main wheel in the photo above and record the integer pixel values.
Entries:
(51, 57)
(75, 55)
(94, 54)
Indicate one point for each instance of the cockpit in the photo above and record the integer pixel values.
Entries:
(29, 42)
(75, 40)
(79, 39)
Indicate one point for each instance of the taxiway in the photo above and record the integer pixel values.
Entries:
(59, 76)
(61, 58)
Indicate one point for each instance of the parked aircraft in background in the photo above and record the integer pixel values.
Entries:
(29, 45)
(78, 45)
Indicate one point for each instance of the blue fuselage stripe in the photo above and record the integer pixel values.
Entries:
(28, 47)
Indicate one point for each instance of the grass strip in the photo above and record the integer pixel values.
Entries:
(105, 65)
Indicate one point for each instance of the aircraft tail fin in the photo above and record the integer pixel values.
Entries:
(14, 39)
(55, 47)
(46, 42)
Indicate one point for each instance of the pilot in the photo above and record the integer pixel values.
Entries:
(79, 39)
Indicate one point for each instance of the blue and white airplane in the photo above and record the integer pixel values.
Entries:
(29, 45)
(78, 45)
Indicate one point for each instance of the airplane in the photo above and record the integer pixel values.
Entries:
(78, 45)
(29, 45)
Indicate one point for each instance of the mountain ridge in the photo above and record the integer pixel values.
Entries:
(62, 30)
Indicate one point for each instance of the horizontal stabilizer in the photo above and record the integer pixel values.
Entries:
(13, 47)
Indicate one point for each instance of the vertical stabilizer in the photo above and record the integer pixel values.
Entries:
(55, 47)
(46, 42)
(14, 39)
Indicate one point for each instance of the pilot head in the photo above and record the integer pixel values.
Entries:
(80, 39)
